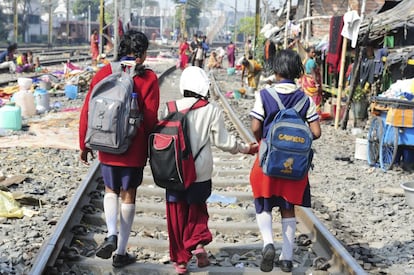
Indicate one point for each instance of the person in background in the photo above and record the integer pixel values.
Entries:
(24, 62)
(7, 58)
(123, 173)
(248, 49)
(269, 53)
(253, 70)
(187, 215)
(270, 192)
(312, 70)
(231, 54)
(213, 63)
(205, 46)
(199, 56)
(193, 48)
(94, 40)
(183, 51)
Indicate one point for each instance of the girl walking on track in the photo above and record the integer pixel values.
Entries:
(123, 173)
(187, 215)
(270, 192)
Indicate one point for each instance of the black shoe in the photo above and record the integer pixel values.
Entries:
(268, 257)
(285, 265)
(109, 245)
(123, 260)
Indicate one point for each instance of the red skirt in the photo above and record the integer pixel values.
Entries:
(264, 186)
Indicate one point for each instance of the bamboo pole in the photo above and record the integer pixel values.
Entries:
(341, 82)
(285, 44)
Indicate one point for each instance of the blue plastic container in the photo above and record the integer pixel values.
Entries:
(71, 91)
(10, 117)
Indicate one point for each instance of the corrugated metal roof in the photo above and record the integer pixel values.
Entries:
(402, 15)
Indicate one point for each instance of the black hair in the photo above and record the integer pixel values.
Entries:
(308, 49)
(136, 43)
(12, 47)
(245, 62)
(287, 64)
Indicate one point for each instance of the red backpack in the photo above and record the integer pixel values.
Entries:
(170, 156)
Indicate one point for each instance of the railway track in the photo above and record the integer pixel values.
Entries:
(236, 245)
(58, 56)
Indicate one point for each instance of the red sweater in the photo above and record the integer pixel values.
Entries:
(148, 99)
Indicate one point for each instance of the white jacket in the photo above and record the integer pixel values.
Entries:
(207, 127)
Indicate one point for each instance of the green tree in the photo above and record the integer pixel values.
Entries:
(81, 7)
(194, 8)
(247, 26)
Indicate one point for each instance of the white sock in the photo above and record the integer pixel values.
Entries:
(288, 233)
(111, 205)
(264, 221)
(127, 218)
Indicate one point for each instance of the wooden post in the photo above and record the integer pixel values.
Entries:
(15, 21)
(341, 82)
(355, 76)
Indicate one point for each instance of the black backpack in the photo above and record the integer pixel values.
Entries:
(170, 156)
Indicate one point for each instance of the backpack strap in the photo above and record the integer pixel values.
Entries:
(172, 106)
(300, 104)
(274, 94)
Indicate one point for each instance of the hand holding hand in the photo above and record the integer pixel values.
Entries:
(254, 148)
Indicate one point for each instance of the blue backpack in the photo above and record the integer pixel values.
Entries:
(285, 151)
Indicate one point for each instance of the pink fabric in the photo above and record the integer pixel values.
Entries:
(187, 227)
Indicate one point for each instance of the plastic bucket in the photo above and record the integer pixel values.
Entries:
(409, 192)
(361, 149)
(10, 117)
(236, 94)
(42, 99)
(71, 91)
(231, 71)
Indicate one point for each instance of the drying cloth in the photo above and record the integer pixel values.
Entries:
(379, 63)
(366, 71)
(400, 117)
(352, 21)
(335, 44)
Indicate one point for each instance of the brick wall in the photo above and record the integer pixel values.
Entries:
(320, 27)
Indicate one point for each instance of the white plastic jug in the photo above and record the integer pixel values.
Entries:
(25, 100)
